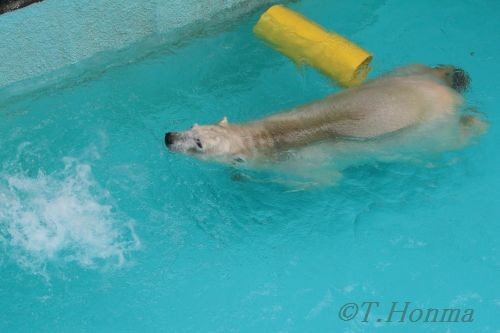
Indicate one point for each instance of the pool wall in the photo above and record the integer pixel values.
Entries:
(52, 34)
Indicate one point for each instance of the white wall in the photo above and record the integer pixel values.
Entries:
(55, 33)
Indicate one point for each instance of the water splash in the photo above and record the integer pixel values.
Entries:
(61, 217)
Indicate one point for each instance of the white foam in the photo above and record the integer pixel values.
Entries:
(63, 216)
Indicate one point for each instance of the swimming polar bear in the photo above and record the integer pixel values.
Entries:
(414, 107)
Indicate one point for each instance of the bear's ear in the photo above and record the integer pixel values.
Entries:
(223, 122)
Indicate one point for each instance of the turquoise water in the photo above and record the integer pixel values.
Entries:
(103, 230)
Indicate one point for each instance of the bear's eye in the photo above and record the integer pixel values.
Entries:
(198, 143)
(239, 160)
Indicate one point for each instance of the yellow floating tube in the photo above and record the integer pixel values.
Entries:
(305, 42)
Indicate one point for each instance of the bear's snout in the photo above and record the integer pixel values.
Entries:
(169, 138)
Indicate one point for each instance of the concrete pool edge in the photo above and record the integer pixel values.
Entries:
(47, 37)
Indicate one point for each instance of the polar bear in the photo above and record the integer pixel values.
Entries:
(406, 100)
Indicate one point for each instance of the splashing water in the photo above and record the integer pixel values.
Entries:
(61, 216)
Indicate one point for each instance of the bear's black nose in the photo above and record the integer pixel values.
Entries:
(169, 138)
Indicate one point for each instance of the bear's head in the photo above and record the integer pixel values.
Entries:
(216, 142)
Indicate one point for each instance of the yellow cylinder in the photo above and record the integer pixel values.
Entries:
(305, 42)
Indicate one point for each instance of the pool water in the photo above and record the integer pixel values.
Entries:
(103, 230)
